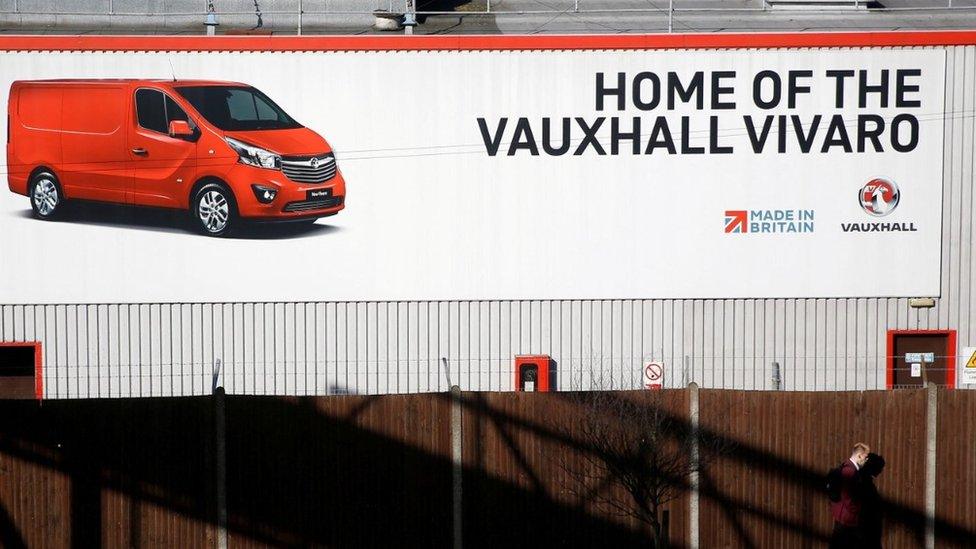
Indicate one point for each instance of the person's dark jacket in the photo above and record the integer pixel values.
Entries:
(847, 510)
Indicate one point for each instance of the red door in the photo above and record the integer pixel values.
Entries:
(918, 346)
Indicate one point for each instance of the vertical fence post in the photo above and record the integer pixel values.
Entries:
(931, 430)
(693, 481)
(456, 466)
(220, 466)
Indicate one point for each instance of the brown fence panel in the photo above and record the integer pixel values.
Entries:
(956, 469)
(350, 471)
(105, 473)
(519, 450)
(376, 471)
(899, 419)
(769, 491)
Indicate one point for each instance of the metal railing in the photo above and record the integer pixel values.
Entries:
(319, 9)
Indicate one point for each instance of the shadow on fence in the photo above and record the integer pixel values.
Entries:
(376, 471)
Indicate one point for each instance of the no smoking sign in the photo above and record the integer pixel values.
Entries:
(653, 375)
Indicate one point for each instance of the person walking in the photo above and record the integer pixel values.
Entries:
(846, 510)
(871, 519)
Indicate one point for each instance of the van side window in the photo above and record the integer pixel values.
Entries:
(175, 112)
(151, 110)
(156, 110)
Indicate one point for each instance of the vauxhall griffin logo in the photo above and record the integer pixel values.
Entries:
(314, 162)
(879, 197)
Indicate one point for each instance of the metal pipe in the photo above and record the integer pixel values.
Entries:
(410, 17)
(670, 16)
(301, 11)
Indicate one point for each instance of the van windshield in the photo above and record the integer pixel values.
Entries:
(237, 108)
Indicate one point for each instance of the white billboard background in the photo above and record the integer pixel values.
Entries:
(430, 215)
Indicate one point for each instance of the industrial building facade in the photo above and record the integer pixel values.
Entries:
(105, 350)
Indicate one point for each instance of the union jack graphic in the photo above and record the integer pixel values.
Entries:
(736, 221)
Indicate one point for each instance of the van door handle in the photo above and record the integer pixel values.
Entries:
(140, 152)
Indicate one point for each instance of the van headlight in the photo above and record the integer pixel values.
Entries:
(254, 156)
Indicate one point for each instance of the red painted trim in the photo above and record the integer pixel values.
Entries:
(488, 42)
(951, 359)
(950, 354)
(890, 361)
(38, 364)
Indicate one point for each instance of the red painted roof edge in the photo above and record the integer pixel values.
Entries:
(486, 42)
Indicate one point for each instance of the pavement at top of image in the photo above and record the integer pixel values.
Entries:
(461, 17)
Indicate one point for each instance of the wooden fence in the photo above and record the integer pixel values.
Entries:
(357, 471)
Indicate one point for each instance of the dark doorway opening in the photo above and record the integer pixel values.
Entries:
(920, 346)
(20, 370)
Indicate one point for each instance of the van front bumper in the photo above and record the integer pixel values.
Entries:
(292, 202)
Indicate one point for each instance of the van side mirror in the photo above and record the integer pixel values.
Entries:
(179, 128)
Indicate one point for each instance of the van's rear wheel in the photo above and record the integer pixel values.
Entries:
(46, 197)
(214, 210)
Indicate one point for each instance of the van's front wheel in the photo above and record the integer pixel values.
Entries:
(46, 197)
(214, 210)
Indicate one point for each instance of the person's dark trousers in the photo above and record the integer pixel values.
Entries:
(845, 537)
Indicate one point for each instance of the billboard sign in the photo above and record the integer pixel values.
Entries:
(410, 175)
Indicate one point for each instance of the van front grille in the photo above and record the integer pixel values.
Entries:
(309, 169)
(306, 205)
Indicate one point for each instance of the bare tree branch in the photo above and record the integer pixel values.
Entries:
(634, 455)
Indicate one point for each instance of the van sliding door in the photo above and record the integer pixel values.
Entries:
(93, 142)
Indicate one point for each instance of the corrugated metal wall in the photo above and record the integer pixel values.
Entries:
(117, 350)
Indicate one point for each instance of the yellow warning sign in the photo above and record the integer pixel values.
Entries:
(968, 372)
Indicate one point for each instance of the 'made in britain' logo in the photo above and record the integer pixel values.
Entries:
(768, 221)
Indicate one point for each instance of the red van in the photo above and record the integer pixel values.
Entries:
(223, 151)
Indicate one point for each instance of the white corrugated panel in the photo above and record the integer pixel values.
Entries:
(119, 350)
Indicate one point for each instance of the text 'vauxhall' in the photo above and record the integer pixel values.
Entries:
(878, 113)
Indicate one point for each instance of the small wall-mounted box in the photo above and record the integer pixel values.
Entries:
(532, 373)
